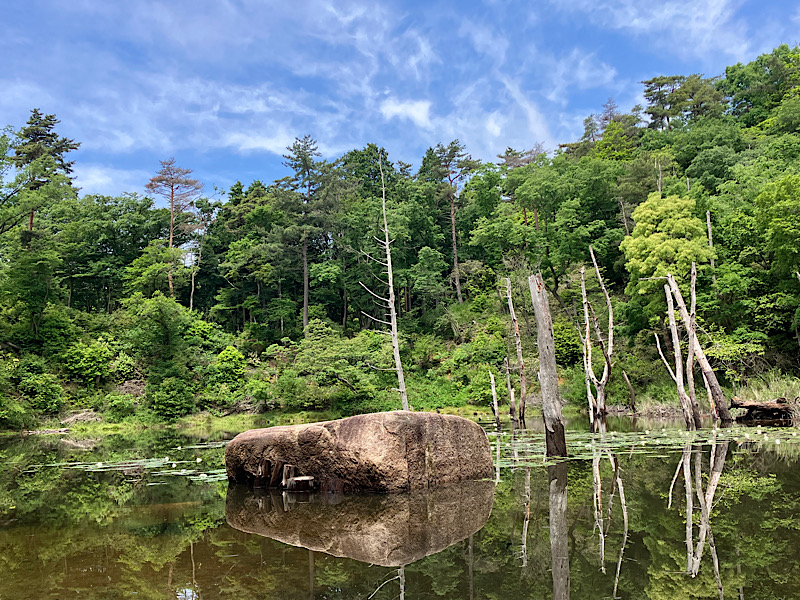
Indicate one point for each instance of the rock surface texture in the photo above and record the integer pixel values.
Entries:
(379, 452)
(387, 529)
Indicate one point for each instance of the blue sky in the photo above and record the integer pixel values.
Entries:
(225, 85)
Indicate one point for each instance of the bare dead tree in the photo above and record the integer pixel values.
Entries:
(548, 375)
(523, 376)
(708, 373)
(174, 184)
(598, 403)
(677, 374)
(691, 331)
(512, 409)
(389, 303)
(495, 407)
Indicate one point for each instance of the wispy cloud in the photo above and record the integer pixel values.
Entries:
(693, 28)
(577, 70)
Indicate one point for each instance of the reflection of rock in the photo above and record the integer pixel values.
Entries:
(82, 445)
(388, 530)
(381, 452)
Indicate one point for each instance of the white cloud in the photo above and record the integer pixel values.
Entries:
(110, 181)
(694, 28)
(275, 143)
(493, 125)
(417, 111)
(577, 70)
(536, 122)
(485, 41)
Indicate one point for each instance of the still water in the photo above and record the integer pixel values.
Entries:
(641, 511)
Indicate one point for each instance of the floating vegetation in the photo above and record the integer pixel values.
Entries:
(190, 466)
(524, 448)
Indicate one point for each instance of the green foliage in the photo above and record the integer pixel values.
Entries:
(90, 363)
(667, 238)
(43, 391)
(97, 287)
(171, 398)
(230, 367)
(120, 406)
(568, 343)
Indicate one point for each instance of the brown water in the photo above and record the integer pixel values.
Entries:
(142, 518)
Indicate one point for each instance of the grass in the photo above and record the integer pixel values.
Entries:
(770, 386)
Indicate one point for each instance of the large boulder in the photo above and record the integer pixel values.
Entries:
(379, 452)
(390, 530)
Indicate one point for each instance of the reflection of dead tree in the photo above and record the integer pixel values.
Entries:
(687, 484)
(603, 524)
(470, 563)
(693, 484)
(624, 505)
(311, 574)
(401, 577)
(597, 406)
(527, 517)
(559, 541)
(597, 504)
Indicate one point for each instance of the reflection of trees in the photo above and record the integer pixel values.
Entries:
(559, 541)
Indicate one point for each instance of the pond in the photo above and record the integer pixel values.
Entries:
(644, 510)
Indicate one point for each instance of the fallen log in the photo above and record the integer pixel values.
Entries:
(780, 408)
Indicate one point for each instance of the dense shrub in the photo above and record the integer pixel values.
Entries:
(119, 406)
(89, 363)
(171, 399)
(230, 367)
(43, 391)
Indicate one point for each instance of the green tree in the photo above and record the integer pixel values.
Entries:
(667, 238)
(181, 191)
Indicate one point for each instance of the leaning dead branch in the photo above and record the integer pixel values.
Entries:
(708, 373)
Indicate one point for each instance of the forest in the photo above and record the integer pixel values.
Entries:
(268, 296)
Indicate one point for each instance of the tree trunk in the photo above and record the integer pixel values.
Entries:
(630, 390)
(344, 295)
(195, 267)
(523, 376)
(711, 246)
(708, 372)
(305, 280)
(512, 409)
(401, 380)
(456, 272)
(494, 403)
(678, 376)
(171, 238)
(692, 329)
(548, 375)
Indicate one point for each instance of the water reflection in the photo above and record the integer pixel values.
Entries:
(388, 530)
(698, 518)
(559, 542)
